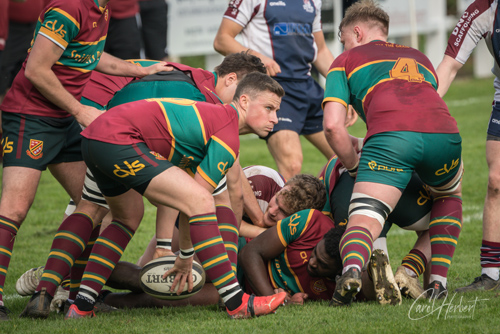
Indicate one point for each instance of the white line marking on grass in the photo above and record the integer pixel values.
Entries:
(477, 214)
(471, 100)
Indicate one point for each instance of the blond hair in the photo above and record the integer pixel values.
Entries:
(366, 11)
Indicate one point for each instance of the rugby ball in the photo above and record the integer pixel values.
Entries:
(153, 283)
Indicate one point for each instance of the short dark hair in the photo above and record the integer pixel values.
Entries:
(366, 11)
(254, 83)
(332, 243)
(304, 192)
(240, 63)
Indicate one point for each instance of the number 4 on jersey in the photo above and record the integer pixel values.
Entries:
(406, 69)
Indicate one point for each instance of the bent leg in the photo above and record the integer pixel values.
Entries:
(286, 150)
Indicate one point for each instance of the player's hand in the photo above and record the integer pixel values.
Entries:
(161, 252)
(158, 67)
(352, 117)
(183, 272)
(299, 298)
(86, 115)
(272, 66)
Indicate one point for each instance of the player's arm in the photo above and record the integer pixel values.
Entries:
(324, 57)
(250, 205)
(253, 259)
(165, 222)
(337, 134)
(234, 187)
(43, 56)
(446, 72)
(115, 66)
(225, 43)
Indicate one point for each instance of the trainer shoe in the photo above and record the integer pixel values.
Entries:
(59, 300)
(481, 283)
(99, 307)
(4, 313)
(39, 306)
(253, 306)
(75, 313)
(347, 286)
(386, 288)
(28, 282)
(436, 290)
(409, 286)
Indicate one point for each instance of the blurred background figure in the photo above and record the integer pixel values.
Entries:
(21, 20)
(124, 37)
(153, 14)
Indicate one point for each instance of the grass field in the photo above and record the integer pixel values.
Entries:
(469, 102)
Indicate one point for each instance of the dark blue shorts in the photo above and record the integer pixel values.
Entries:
(300, 109)
(494, 124)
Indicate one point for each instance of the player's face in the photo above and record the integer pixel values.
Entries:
(320, 263)
(276, 210)
(261, 113)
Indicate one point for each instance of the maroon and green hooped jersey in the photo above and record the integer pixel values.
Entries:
(79, 27)
(391, 86)
(300, 233)
(195, 136)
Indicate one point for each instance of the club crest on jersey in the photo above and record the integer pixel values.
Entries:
(318, 286)
(35, 149)
(308, 7)
(158, 156)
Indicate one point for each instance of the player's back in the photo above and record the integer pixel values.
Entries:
(394, 89)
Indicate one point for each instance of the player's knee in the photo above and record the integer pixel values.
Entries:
(203, 203)
(362, 204)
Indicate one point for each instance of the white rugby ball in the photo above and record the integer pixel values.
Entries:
(153, 283)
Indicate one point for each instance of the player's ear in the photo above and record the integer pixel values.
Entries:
(244, 101)
(231, 78)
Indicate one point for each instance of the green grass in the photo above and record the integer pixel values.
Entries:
(470, 103)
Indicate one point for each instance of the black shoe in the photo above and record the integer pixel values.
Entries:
(39, 306)
(481, 283)
(4, 313)
(101, 306)
(347, 286)
(436, 290)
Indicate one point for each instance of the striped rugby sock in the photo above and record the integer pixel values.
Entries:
(444, 229)
(210, 249)
(356, 247)
(228, 227)
(415, 261)
(8, 232)
(107, 251)
(69, 242)
(79, 267)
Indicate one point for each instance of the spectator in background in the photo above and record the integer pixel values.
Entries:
(4, 23)
(22, 18)
(154, 28)
(124, 37)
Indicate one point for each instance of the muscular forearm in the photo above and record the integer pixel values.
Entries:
(115, 66)
(254, 267)
(250, 231)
